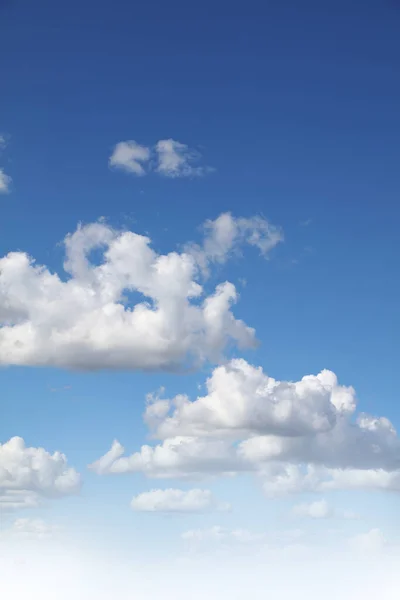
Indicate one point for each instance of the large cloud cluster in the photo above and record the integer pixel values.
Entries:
(297, 436)
(135, 310)
(30, 475)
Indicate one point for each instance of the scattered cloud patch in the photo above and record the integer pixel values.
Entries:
(319, 509)
(218, 537)
(168, 158)
(288, 478)
(5, 180)
(30, 475)
(226, 236)
(176, 501)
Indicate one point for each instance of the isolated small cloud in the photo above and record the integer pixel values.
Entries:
(5, 180)
(130, 156)
(319, 509)
(225, 236)
(178, 160)
(176, 501)
(350, 515)
(373, 541)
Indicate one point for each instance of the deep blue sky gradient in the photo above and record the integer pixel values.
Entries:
(295, 104)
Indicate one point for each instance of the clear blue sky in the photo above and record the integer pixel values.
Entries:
(294, 104)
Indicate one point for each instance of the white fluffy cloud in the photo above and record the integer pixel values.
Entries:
(168, 158)
(242, 400)
(30, 475)
(365, 444)
(176, 501)
(130, 156)
(300, 436)
(87, 321)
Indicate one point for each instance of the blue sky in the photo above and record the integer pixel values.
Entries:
(295, 108)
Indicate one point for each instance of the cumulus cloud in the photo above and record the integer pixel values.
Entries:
(347, 445)
(30, 475)
(176, 501)
(242, 401)
(171, 159)
(303, 436)
(85, 320)
(130, 156)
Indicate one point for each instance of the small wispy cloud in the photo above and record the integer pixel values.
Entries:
(320, 509)
(5, 180)
(178, 160)
(168, 158)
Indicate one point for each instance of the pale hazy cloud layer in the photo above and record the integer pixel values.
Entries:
(25, 528)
